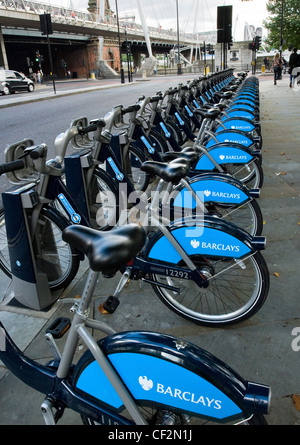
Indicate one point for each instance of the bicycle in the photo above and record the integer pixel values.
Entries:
(227, 151)
(131, 377)
(205, 269)
(228, 198)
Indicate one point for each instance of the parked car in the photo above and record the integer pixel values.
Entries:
(12, 81)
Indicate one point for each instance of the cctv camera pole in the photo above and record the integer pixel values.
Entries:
(46, 28)
(51, 63)
(120, 49)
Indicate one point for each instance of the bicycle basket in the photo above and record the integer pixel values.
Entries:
(27, 174)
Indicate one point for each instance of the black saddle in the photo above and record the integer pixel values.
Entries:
(225, 95)
(188, 153)
(170, 172)
(212, 113)
(106, 251)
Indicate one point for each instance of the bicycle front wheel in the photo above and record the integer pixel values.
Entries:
(236, 290)
(103, 201)
(57, 259)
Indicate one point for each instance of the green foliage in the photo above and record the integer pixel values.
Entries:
(291, 23)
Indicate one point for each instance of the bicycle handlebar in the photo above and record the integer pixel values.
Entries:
(94, 125)
(131, 109)
(11, 166)
(38, 151)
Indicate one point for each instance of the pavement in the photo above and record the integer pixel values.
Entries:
(264, 349)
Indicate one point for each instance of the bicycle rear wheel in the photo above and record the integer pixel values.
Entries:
(249, 174)
(247, 216)
(53, 256)
(236, 291)
(156, 416)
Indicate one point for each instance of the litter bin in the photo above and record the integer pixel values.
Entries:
(263, 69)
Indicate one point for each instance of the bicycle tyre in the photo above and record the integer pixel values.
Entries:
(51, 254)
(250, 175)
(159, 142)
(139, 179)
(153, 414)
(247, 216)
(103, 201)
(236, 293)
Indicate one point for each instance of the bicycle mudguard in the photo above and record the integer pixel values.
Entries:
(241, 124)
(39, 377)
(208, 236)
(173, 374)
(242, 105)
(239, 113)
(216, 188)
(225, 153)
(234, 136)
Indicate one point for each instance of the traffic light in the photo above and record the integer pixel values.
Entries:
(230, 44)
(37, 56)
(252, 46)
(257, 42)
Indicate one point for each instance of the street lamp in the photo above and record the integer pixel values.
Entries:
(281, 27)
(121, 66)
(178, 64)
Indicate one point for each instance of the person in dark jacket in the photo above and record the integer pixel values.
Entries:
(294, 64)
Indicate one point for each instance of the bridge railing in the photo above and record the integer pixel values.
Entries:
(61, 14)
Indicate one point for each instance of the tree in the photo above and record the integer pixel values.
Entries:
(291, 23)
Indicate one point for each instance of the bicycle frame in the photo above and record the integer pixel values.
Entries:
(214, 390)
(176, 241)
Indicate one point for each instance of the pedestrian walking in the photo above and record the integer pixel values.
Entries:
(294, 66)
(278, 65)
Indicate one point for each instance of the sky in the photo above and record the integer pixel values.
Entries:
(163, 13)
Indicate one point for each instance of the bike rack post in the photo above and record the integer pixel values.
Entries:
(30, 286)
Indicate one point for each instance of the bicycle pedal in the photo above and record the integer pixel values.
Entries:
(59, 327)
(109, 306)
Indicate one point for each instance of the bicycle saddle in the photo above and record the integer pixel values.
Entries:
(188, 153)
(225, 95)
(172, 172)
(212, 113)
(106, 251)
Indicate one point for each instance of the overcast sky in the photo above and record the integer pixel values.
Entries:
(163, 12)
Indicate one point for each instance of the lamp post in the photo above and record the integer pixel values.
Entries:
(281, 27)
(178, 64)
(121, 66)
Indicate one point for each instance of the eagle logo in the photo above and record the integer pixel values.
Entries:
(145, 383)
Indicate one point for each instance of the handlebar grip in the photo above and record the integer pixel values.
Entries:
(131, 108)
(88, 129)
(172, 91)
(11, 166)
(94, 125)
(155, 99)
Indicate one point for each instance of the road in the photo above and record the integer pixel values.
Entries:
(43, 121)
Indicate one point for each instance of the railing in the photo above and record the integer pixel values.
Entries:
(61, 14)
